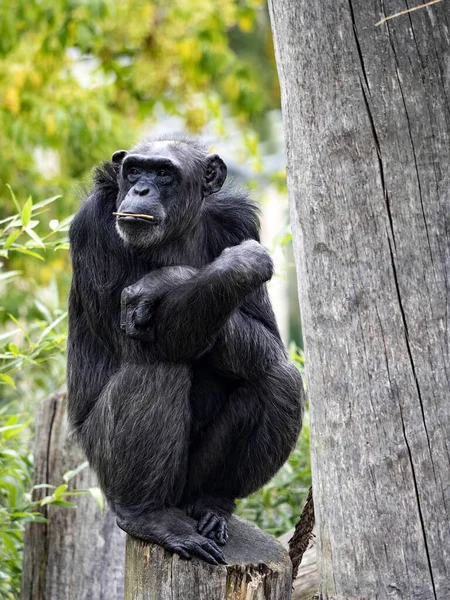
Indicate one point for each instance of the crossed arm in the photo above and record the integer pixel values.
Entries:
(187, 312)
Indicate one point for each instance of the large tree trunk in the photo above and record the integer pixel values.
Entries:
(366, 114)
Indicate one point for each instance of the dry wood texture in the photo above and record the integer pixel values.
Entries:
(79, 554)
(367, 122)
(258, 569)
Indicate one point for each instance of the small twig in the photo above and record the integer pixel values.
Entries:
(408, 10)
(149, 217)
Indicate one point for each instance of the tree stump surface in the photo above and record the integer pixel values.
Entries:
(258, 568)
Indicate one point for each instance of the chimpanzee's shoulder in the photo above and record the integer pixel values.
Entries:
(94, 219)
(231, 217)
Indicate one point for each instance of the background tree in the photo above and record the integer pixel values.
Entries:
(367, 124)
(79, 79)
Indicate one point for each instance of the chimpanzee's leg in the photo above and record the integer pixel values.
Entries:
(244, 446)
(136, 438)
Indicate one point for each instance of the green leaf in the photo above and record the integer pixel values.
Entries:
(26, 212)
(62, 246)
(287, 238)
(96, 493)
(11, 430)
(63, 503)
(11, 239)
(46, 500)
(16, 322)
(34, 236)
(28, 252)
(52, 326)
(9, 381)
(14, 349)
(43, 486)
(37, 519)
(13, 196)
(59, 491)
(43, 203)
(71, 474)
(8, 334)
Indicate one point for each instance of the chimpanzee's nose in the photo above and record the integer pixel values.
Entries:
(141, 190)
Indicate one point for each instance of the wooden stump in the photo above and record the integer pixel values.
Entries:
(258, 568)
(78, 554)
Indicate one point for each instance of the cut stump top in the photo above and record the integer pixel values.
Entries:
(258, 568)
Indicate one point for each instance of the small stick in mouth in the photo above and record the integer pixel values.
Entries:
(148, 217)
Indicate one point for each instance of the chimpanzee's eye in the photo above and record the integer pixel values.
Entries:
(133, 174)
(162, 173)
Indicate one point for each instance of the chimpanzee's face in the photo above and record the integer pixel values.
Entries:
(161, 190)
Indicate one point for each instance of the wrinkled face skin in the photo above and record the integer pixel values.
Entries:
(161, 190)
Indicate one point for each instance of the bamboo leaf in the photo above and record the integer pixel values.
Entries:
(8, 334)
(96, 493)
(59, 491)
(9, 381)
(28, 252)
(52, 326)
(14, 199)
(43, 486)
(26, 212)
(11, 239)
(34, 236)
(71, 474)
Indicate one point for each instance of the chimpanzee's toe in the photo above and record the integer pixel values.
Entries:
(214, 527)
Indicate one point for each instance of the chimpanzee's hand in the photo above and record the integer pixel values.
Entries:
(139, 301)
(136, 314)
(249, 262)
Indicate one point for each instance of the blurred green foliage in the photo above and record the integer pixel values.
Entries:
(78, 80)
(31, 361)
(33, 337)
(81, 77)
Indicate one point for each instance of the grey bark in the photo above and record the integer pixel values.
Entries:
(258, 569)
(367, 122)
(79, 554)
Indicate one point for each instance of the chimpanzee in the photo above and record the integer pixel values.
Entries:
(180, 390)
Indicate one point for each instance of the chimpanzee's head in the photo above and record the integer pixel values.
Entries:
(162, 185)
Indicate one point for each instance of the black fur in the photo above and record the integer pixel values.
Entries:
(180, 390)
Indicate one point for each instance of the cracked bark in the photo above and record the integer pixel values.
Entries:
(367, 124)
(80, 553)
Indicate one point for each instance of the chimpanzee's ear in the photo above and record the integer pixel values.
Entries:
(118, 157)
(214, 174)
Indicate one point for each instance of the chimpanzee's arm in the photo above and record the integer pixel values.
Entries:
(249, 341)
(90, 361)
(93, 342)
(242, 332)
(189, 318)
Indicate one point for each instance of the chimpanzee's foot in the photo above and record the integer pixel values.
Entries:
(172, 530)
(214, 527)
(212, 515)
(195, 545)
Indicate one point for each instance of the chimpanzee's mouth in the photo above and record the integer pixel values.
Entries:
(127, 217)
